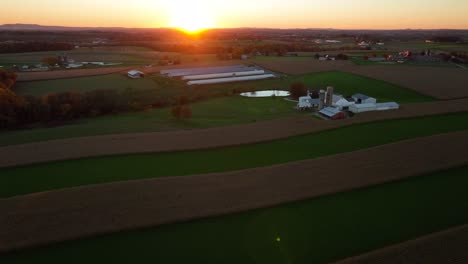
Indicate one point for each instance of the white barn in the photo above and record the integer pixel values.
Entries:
(134, 74)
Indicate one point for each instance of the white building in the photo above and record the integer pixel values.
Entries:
(361, 108)
(364, 99)
(134, 74)
(307, 102)
(387, 106)
(343, 104)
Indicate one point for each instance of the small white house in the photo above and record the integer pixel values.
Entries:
(307, 102)
(364, 99)
(134, 74)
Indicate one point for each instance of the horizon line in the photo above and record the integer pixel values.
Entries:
(214, 28)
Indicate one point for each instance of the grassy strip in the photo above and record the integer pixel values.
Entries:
(56, 175)
(216, 112)
(313, 231)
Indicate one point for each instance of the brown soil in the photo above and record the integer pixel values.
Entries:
(74, 148)
(55, 216)
(447, 247)
(438, 82)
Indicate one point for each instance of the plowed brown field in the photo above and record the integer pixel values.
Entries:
(55, 216)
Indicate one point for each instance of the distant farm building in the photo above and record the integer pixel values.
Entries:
(222, 74)
(134, 74)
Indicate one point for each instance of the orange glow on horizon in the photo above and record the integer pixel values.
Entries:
(195, 16)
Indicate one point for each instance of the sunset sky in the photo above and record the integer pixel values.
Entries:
(345, 14)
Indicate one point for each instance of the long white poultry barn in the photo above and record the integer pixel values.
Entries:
(232, 79)
(223, 75)
(205, 70)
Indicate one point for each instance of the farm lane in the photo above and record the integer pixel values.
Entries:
(74, 148)
(43, 218)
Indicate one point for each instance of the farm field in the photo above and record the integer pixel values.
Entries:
(434, 248)
(111, 81)
(48, 176)
(215, 112)
(425, 80)
(286, 233)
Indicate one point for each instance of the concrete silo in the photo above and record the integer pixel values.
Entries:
(322, 99)
(329, 97)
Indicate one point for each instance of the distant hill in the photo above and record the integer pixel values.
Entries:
(35, 27)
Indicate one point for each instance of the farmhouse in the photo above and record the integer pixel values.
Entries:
(307, 102)
(363, 99)
(134, 74)
(332, 113)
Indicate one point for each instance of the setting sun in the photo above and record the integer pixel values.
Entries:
(191, 17)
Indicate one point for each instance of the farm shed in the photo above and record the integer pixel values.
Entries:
(364, 99)
(361, 108)
(232, 79)
(134, 74)
(387, 106)
(222, 75)
(206, 70)
(332, 113)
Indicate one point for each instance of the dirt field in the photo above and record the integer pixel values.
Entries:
(448, 247)
(43, 218)
(204, 138)
(441, 83)
(438, 82)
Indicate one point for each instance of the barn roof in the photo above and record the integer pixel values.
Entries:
(330, 111)
(361, 96)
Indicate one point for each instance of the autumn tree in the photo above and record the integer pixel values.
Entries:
(298, 89)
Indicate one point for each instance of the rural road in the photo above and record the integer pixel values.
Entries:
(67, 214)
(74, 148)
(447, 247)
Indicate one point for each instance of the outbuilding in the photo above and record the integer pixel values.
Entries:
(332, 113)
(134, 74)
(387, 106)
(361, 108)
(343, 104)
(364, 99)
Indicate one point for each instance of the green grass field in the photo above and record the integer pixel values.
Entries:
(111, 81)
(216, 112)
(312, 231)
(56, 175)
(207, 113)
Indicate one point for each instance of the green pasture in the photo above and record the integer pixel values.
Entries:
(56, 175)
(216, 112)
(320, 230)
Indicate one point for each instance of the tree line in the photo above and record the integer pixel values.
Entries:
(18, 47)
